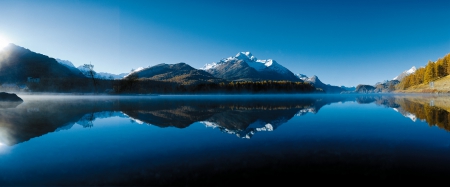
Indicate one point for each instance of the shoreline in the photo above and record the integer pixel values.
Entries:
(415, 92)
(229, 94)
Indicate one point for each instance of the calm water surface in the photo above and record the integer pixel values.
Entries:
(222, 140)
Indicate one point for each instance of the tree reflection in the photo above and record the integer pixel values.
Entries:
(424, 108)
(433, 115)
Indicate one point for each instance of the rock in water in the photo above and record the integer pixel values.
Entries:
(9, 97)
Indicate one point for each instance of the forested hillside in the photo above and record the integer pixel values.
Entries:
(431, 72)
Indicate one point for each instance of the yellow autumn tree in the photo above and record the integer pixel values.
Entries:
(430, 72)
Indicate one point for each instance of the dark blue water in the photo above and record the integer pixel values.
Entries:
(222, 140)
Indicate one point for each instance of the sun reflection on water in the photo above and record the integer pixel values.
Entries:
(3, 141)
(3, 147)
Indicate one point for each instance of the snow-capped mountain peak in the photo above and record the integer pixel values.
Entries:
(252, 61)
(245, 66)
(405, 73)
(267, 62)
(246, 56)
(412, 70)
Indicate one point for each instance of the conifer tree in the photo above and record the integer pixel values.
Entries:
(446, 63)
(429, 72)
(419, 76)
(406, 82)
(440, 72)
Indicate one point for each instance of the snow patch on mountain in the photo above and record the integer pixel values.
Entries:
(65, 63)
(210, 66)
(209, 124)
(260, 125)
(306, 78)
(306, 111)
(135, 71)
(302, 76)
(136, 120)
(246, 133)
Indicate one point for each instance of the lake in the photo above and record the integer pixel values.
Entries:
(219, 140)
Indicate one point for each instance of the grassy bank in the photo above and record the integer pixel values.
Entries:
(441, 86)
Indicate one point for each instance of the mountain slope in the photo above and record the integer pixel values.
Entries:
(180, 73)
(387, 86)
(69, 65)
(441, 85)
(18, 63)
(244, 66)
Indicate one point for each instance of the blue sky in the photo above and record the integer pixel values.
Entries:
(342, 42)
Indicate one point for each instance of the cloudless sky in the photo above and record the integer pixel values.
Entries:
(342, 42)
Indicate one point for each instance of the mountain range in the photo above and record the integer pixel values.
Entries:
(83, 70)
(19, 63)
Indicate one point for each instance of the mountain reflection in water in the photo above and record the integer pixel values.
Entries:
(242, 116)
(60, 140)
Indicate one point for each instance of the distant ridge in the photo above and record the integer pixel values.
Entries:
(180, 73)
(82, 70)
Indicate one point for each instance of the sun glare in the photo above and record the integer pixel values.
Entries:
(2, 146)
(3, 42)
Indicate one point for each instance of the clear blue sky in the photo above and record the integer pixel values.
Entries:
(342, 42)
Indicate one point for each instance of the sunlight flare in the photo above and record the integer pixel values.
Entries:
(3, 42)
(3, 147)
